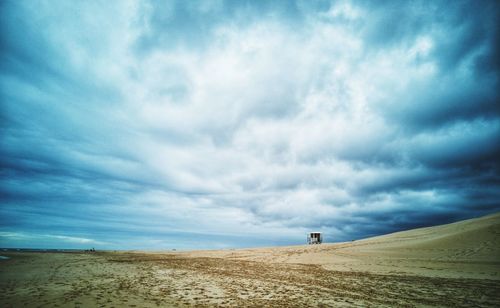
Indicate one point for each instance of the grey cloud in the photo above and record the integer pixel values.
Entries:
(177, 23)
(466, 146)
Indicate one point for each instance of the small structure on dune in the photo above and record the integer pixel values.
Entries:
(314, 238)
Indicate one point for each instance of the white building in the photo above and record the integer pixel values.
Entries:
(314, 238)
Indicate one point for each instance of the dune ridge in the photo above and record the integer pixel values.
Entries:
(469, 248)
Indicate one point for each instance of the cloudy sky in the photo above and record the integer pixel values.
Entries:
(215, 124)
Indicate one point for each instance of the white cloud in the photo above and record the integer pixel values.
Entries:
(33, 239)
(265, 124)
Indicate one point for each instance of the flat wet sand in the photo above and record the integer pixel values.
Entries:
(454, 265)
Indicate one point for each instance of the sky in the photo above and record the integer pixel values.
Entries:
(224, 124)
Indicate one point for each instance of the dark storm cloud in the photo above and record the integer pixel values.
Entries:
(463, 27)
(217, 123)
(466, 35)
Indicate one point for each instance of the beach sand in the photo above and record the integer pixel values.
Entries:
(454, 265)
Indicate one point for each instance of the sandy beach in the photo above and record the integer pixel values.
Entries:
(454, 265)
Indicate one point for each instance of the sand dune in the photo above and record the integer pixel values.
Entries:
(454, 265)
(469, 248)
(469, 240)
